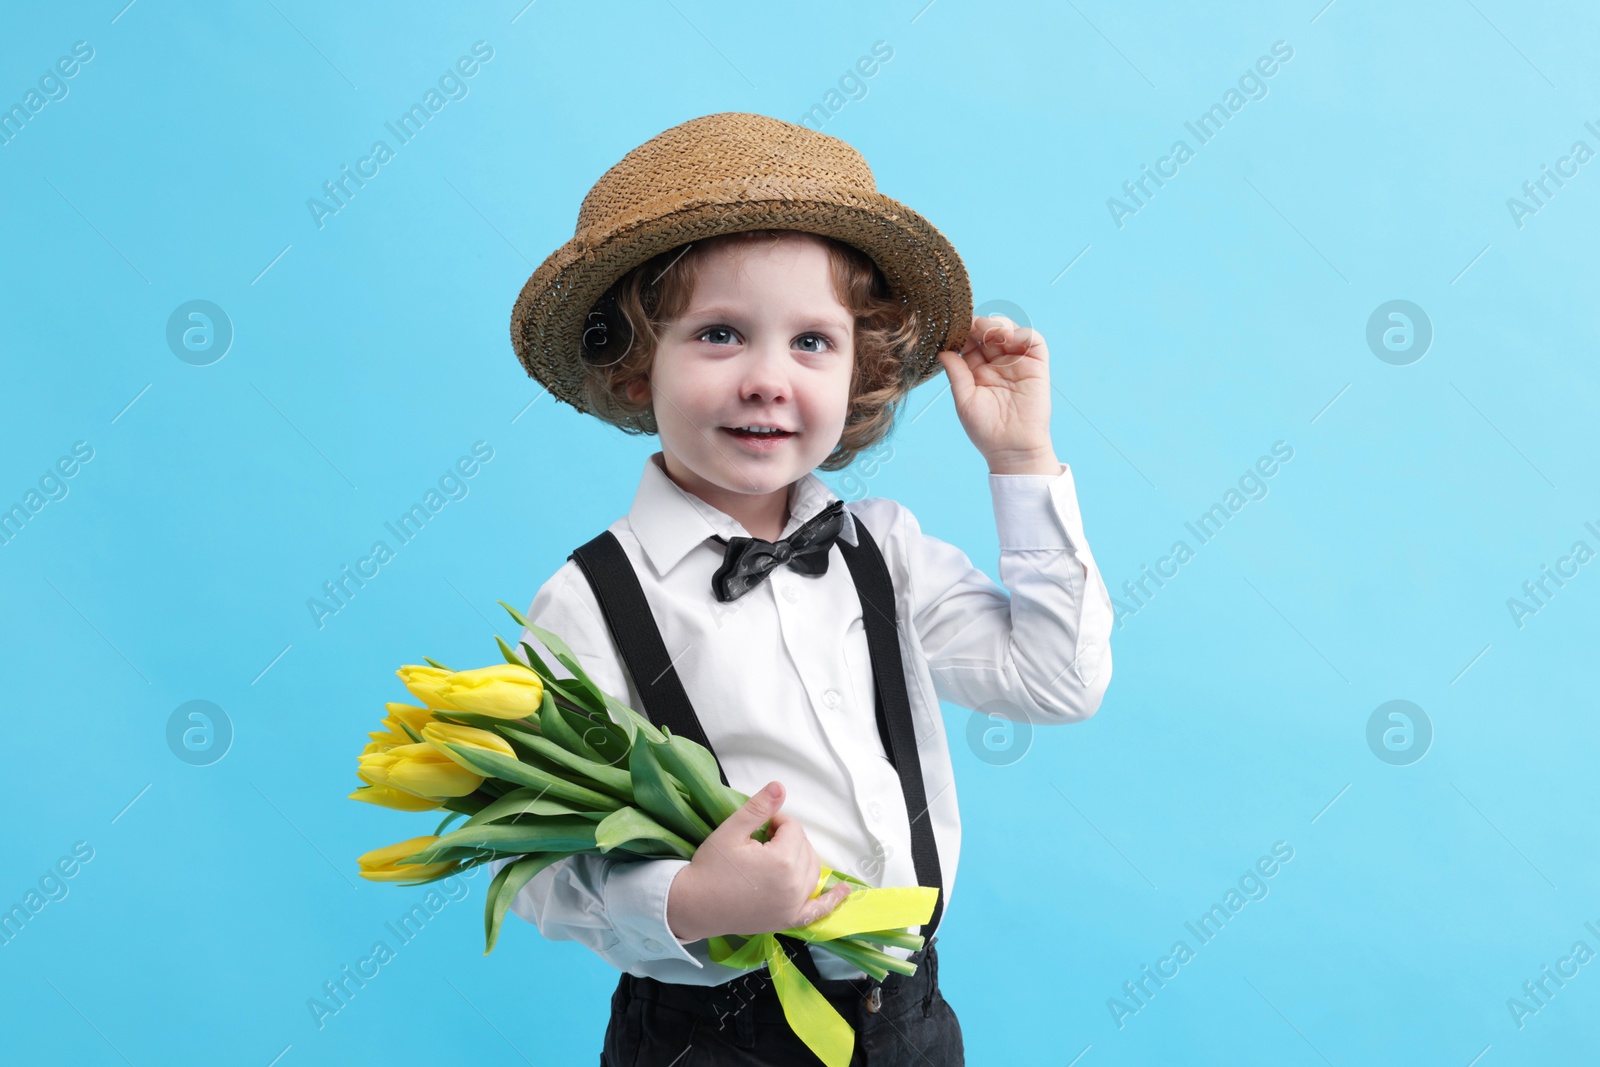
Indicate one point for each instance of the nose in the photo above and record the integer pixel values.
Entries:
(766, 372)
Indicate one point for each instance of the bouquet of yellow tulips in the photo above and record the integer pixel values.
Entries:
(543, 767)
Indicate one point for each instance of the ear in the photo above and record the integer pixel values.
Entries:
(638, 390)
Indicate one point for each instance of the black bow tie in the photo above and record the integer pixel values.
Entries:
(749, 560)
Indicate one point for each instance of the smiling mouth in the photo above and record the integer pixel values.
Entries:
(768, 435)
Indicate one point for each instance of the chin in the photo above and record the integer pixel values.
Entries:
(758, 479)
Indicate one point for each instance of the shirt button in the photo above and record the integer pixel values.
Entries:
(831, 698)
(790, 594)
(652, 944)
(875, 811)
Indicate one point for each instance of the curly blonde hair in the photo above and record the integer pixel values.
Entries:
(636, 311)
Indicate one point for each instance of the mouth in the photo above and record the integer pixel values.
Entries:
(758, 436)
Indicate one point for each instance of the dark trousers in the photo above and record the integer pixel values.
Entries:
(668, 1024)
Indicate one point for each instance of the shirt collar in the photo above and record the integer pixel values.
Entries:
(670, 521)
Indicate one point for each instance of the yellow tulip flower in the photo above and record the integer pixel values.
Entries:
(412, 715)
(504, 691)
(373, 767)
(397, 799)
(419, 769)
(382, 864)
(426, 684)
(440, 734)
(394, 733)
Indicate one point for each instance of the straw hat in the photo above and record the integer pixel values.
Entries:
(720, 174)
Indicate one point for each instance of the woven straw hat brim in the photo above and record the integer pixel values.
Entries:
(918, 262)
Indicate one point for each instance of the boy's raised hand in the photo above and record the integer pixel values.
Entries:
(738, 885)
(1001, 384)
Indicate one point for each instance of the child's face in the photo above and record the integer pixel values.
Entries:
(764, 342)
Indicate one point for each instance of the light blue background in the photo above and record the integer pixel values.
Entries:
(1229, 313)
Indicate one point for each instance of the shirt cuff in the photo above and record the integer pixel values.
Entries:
(636, 902)
(1037, 511)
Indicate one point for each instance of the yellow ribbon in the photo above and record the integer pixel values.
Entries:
(812, 1017)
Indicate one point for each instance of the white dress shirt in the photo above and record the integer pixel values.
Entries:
(781, 680)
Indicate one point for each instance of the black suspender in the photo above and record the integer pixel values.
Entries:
(627, 613)
(633, 626)
(876, 590)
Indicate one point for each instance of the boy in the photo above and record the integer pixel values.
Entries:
(738, 287)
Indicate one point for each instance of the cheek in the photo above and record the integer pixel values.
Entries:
(839, 394)
(681, 394)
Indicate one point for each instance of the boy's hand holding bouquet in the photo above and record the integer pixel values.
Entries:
(546, 767)
(737, 884)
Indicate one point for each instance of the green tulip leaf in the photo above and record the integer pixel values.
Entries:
(527, 802)
(647, 849)
(510, 769)
(504, 889)
(437, 853)
(470, 718)
(629, 827)
(553, 834)
(580, 678)
(695, 767)
(608, 738)
(560, 687)
(587, 716)
(557, 725)
(511, 657)
(448, 819)
(517, 729)
(534, 750)
(466, 805)
(565, 688)
(543, 635)
(613, 780)
(656, 792)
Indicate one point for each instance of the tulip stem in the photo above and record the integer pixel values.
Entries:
(896, 938)
(589, 716)
(869, 959)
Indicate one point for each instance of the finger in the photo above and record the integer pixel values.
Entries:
(760, 808)
(1018, 344)
(975, 334)
(960, 375)
(998, 330)
(1024, 339)
(1023, 343)
(990, 349)
(1009, 341)
(787, 834)
(825, 904)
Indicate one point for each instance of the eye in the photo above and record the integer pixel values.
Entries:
(814, 336)
(707, 333)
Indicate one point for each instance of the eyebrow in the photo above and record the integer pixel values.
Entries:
(719, 312)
